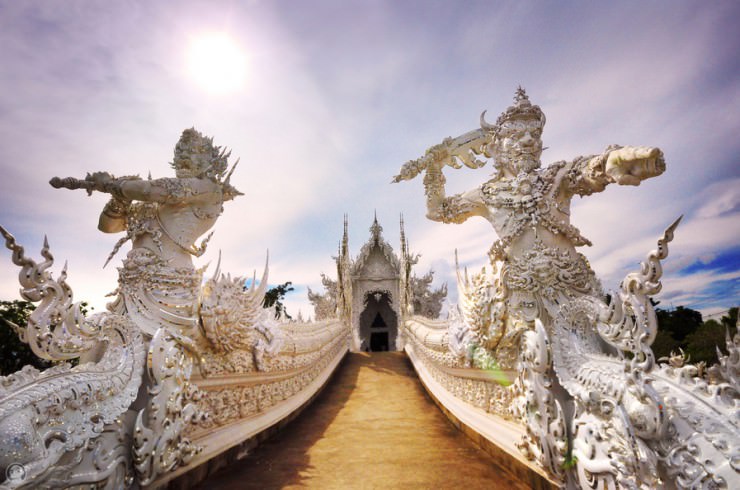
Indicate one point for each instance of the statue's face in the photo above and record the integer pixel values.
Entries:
(191, 165)
(519, 145)
(192, 155)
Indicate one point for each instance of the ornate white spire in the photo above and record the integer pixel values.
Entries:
(376, 229)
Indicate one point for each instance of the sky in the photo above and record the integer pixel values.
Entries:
(323, 101)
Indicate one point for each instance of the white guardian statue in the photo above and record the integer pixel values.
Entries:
(599, 412)
(91, 423)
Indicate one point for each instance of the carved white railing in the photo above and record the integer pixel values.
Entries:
(483, 401)
(243, 402)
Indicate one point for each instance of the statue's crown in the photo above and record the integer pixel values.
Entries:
(200, 154)
(522, 109)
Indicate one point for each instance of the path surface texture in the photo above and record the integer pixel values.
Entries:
(373, 427)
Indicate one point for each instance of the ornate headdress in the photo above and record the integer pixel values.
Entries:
(195, 154)
(522, 109)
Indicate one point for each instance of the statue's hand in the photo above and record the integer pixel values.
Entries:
(632, 164)
(99, 180)
(432, 161)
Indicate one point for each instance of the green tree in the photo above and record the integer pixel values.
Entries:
(730, 319)
(683, 328)
(702, 344)
(275, 296)
(664, 344)
(15, 354)
(679, 322)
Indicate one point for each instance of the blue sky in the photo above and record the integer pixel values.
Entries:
(336, 96)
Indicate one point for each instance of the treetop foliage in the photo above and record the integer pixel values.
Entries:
(683, 328)
(275, 296)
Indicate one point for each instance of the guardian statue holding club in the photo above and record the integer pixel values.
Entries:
(588, 389)
(534, 258)
(124, 414)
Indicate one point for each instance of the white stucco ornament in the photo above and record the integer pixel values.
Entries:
(92, 424)
(619, 421)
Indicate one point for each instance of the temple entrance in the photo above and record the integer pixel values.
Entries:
(378, 322)
(378, 341)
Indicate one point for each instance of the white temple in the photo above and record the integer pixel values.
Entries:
(378, 284)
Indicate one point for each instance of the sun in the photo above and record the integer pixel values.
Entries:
(217, 63)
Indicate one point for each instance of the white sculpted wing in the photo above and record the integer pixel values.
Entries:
(634, 421)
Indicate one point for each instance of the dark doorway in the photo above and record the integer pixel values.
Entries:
(378, 322)
(379, 341)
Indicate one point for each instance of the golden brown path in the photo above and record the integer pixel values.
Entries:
(373, 427)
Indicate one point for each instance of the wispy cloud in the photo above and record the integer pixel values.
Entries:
(339, 94)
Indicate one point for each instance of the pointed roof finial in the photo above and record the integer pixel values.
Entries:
(345, 236)
(520, 94)
(376, 229)
(403, 236)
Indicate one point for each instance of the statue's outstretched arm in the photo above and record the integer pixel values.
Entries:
(453, 209)
(124, 190)
(453, 152)
(164, 191)
(624, 165)
(133, 188)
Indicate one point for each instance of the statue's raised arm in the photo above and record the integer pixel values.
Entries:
(166, 215)
(453, 152)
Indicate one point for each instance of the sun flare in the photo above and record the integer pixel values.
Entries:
(217, 63)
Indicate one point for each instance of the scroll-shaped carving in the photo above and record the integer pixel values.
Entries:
(546, 441)
(63, 423)
(159, 444)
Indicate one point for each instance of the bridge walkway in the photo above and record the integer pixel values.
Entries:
(372, 427)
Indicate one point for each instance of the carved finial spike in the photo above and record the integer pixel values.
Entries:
(345, 236)
(254, 281)
(233, 167)
(9, 239)
(520, 94)
(265, 275)
(457, 267)
(673, 227)
(485, 125)
(376, 230)
(217, 273)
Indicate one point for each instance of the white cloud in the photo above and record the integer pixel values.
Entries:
(338, 96)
